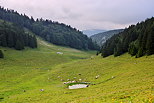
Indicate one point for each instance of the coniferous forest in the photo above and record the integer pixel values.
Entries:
(1, 54)
(137, 40)
(14, 36)
(54, 32)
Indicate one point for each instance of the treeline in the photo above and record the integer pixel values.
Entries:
(137, 40)
(54, 32)
(1, 54)
(13, 36)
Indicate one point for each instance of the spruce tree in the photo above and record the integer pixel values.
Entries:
(1, 54)
(150, 41)
(19, 45)
(3, 41)
(32, 42)
(118, 50)
(35, 41)
(140, 52)
(150, 44)
(10, 40)
(132, 50)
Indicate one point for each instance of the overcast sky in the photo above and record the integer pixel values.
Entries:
(86, 14)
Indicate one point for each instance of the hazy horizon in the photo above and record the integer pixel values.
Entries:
(86, 14)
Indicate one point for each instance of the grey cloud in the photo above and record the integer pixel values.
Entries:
(86, 14)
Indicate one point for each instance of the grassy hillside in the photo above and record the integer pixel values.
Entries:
(122, 80)
(20, 70)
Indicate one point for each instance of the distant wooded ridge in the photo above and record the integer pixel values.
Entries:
(101, 38)
(54, 32)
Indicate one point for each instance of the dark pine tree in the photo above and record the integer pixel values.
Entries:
(32, 42)
(118, 50)
(19, 45)
(132, 50)
(10, 40)
(1, 54)
(3, 41)
(140, 52)
(150, 43)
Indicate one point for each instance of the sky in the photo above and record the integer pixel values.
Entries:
(86, 14)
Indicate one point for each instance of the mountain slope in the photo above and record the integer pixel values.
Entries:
(101, 38)
(54, 32)
(124, 79)
(24, 74)
(21, 71)
(91, 32)
(138, 40)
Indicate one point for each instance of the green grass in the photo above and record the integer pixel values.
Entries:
(123, 79)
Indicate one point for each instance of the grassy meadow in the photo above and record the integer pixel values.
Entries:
(124, 79)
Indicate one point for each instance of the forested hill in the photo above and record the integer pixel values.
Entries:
(101, 38)
(137, 40)
(54, 32)
(14, 36)
(90, 32)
